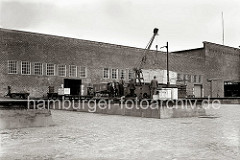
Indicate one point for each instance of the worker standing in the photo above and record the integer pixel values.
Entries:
(111, 89)
(154, 86)
(9, 90)
(116, 84)
(114, 88)
(121, 87)
(131, 87)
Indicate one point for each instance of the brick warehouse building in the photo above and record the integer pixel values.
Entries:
(31, 62)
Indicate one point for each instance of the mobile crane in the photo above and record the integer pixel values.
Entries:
(138, 69)
(143, 90)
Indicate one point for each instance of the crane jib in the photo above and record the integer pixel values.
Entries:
(138, 71)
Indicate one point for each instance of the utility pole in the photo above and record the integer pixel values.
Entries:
(168, 82)
(211, 91)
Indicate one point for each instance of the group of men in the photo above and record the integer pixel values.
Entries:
(117, 88)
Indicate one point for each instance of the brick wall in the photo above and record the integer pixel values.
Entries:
(221, 64)
(32, 47)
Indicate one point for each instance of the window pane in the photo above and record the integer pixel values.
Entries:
(83, 72)
(50, 69)
(37, 69)
(12, 67)
(179, 77)
(131, 74)
(62, 70)
(105, 73)
(114, 73)
(195, 79)
(26, 69)
(200, 79)
(73, 71)
(189, 77)
(122, 74)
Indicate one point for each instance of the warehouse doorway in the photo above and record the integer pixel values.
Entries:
(231, 89)
(74, 85)
(197, 91)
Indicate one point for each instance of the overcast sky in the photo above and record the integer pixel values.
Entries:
(185, 24)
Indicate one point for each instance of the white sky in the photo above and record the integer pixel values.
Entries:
(185, 24)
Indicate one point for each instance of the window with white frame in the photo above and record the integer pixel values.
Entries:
(122, 74)
(83, 72)
(62, 70)
(72, 71)
(185, 78)
(105, 73)
(189, 78)
(37, 68)
(114, 73)
(25, 68)
(130, 74)
(50, 69)
(195, 78)
(12, 67)
(200, 79)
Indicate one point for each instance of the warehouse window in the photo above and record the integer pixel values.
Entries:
(62, 70)
(189, 77)
(83, 72)
(50, 70)
(12, 67)
(114, 73)
(184, 77)
(195, 79)
(105, 73)
(130, 74)
(179, 77)
(25, 68)
(37, 68)
(73, 71)
(200, 79)
(122, 74)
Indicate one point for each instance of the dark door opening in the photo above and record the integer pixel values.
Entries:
(231, 89)
(74, 85)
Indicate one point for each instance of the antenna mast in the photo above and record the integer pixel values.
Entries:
(222, 29)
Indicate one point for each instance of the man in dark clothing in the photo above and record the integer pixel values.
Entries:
(114, 88)
(111, 89)
(116, 84)
(131, 87)
(121, 87)
(154, 86)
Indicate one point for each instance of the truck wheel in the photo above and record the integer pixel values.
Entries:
(13, 96)
(145, 95)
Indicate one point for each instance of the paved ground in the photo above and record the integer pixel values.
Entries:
(95, 136)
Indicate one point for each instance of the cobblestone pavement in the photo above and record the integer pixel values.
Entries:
(78, 135)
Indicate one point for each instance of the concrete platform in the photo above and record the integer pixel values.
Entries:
(15, 114)
(163, 110)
